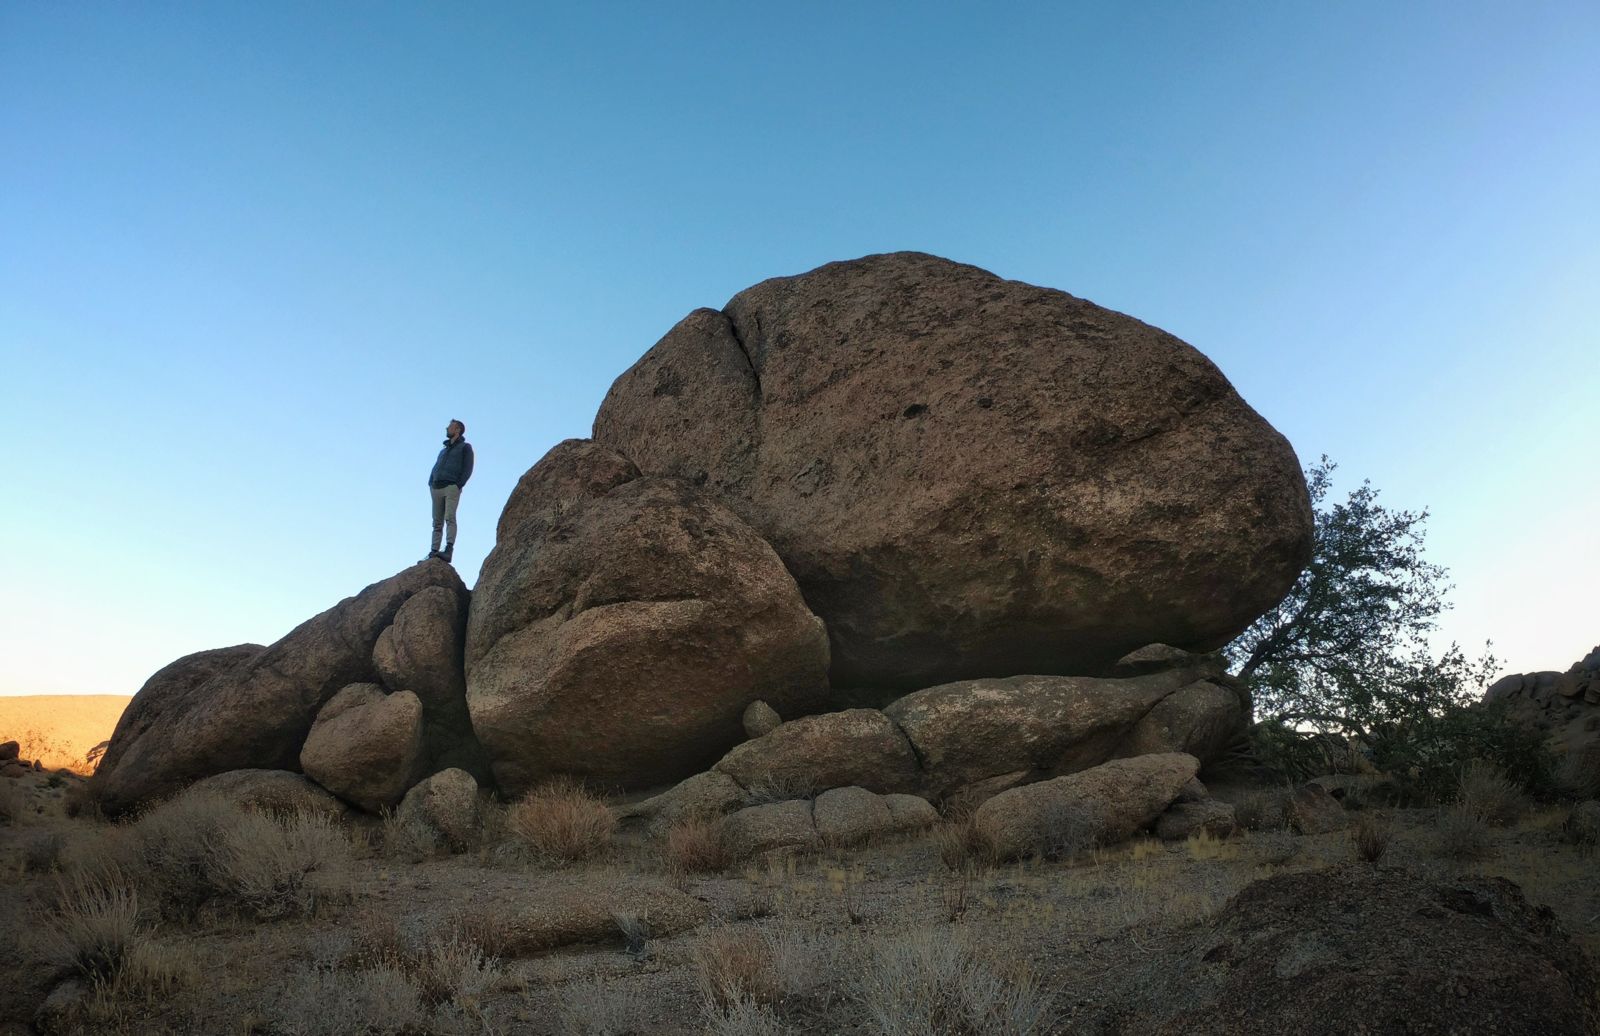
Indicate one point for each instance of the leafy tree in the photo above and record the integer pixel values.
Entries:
(1346, 653)
(1347, 647)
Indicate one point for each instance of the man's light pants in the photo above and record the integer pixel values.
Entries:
(444, 512)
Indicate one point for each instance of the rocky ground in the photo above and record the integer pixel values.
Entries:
(1136, 938)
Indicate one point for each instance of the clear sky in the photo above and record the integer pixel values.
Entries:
(253, 257)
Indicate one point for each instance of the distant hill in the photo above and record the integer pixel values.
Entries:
(59, 729)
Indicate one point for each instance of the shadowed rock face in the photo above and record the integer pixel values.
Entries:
(973, 477)
(248, 707)
(622, 625)
(1377, 950)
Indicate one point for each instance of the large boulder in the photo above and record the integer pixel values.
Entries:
(970, 476)
(972, 731)
(248, 707)
(366, 746)
(1362, 949)
(423, 652)
(1098, 806)
(621, 626)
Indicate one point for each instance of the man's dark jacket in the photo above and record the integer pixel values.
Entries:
(454, 465)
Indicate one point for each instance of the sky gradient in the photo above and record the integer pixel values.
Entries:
(253, 257)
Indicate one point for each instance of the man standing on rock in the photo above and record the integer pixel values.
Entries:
(449, 475)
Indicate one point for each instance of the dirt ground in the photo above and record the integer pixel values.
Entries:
(1065, 940)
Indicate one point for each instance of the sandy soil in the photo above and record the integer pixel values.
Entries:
(1073, 935)
(59, 729)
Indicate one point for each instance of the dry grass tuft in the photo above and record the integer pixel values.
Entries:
(92, 924)
(1370, 836)
(1463, 834)
(696, 845)
(962, 847)
(1487, 792)
(1581, 826)
(562, 822)
(318, 1002)
(734, 964)
(601, 1008)
(41, 854)
(780, 787)
(1262, 811)
(931, 984)
(407, 839)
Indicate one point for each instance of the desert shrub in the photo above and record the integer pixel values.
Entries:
(13, 803)
(92, 924)
(453, 970)
(1370, 836)
(1428, 754)
(41, 854)
(1582, 825)
(739, 965)
(80, 801)
(1578, 773)
(1463, 834)
(1262, 810)
(321, 1002)
(1486, 791)
(696, 845)
(150, 971)
(742, 1018)
(562, 822)
(200, 850)
(1066, 829)
(602, 1008)
(272, 867)
(931, 984)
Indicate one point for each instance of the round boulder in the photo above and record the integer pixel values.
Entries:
(970, 476)
(366, 746)
(619, 629)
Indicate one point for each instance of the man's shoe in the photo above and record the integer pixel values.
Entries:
(433, 554)
(447, 552)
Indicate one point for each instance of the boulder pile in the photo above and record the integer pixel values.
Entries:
(1565, 707)
(1004, 521)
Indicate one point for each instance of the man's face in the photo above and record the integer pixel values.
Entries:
(451, 430)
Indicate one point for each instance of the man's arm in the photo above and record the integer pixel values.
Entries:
(466, 465)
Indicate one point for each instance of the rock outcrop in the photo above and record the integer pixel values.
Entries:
(1376, 950)
(973, 477)
(622, 625)
(247, 707)
(1566, 708)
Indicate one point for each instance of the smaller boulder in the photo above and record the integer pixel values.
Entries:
(1102, 805)
(1158, 658)
(760, 719)
(366, 746)
(776, 825)
(846, 816)
(1183, 819)
(446, 805)
(833, 750)
(709, 794)
(1312, 810)
(9, 750)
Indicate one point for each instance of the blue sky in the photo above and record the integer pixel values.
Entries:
(253, 256)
